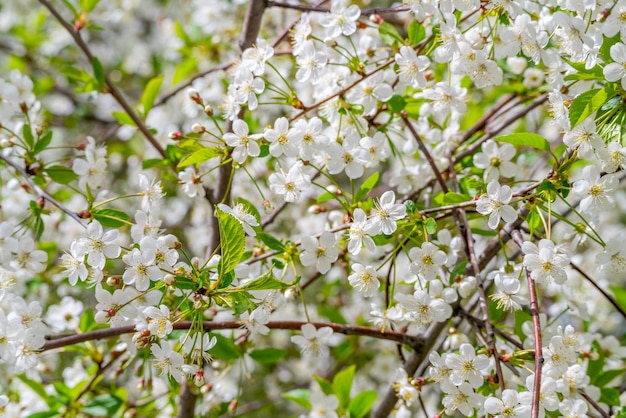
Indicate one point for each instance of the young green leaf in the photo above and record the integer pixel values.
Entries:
(232, 241)
(362, 403)
(61, 174)
(150, 94)
(266, 281)
(199, 156)
(367, 186)
(342, 384)
(389, 34)
(300, 396)
(268, 355)
(98, 71)
(526, 139)
(587, 103)
(43, 142)
(417, 32)
(112, 218)
(272, 242)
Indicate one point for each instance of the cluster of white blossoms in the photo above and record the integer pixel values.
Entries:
(358, 161)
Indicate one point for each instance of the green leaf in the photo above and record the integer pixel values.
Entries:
(431, 226)
(46, 414)
(199, 156)
(27, 134)
(362, 403)
(605, 49)
(43, 142)
(587, 103)
(150, 94)
(326, 196)
(266, 281)
(227, 279)
(620, 295)
(88, 5)
(596, 366)
(224, 349)
(608, 376)
(300, 396)
(367, 186)
(103, 405)
(268, 355)
(239, 302)
(184, 69)
(154, 163)
(342, 384)
(452, 198)
(396, 103)
(61, 174)
(37, 387)
(325, 385)
(272, 242)
(123, 119)
(389, 34)
(232, 241)
(112, 218)
(98, 71)
(416, 32)
(610, 396)
(332, 313)
(526, 139)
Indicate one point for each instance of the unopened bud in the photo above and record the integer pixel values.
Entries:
(232, 407)
(175, 136)
(197, 128)
(208, 110)
(376, 18)
(169, 279)
(113, 281)
(194, 95)
(198, 379)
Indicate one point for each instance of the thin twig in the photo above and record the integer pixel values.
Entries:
(398, 337)
(608, 297)
(115, 92)
(42, 193)
(534, 312)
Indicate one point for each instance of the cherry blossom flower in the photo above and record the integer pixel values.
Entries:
(584, 139)
(167, 361)
(197, 346)
(151, 193)
(321, 253)
(411, 66)
(323, 406)
(91, 170)
(421, 309)
(283, 140)
(313, 341)
(292, 185)
(494, 204)
(507, 406)
(192, 183)
(348, 156)
(506, 293)
(157, 321)
(65, 315)
(255, 321)
(405, 391)
(244, 144)
(463, 399)
(467, 366)
(340, 19)
(595, 190)
(310, 63)
(255, 57)
(140, 268)
(548, 399)
(28, 257)
(114, 308)
(386, 213)
(364, 279)
(360, 232)
(426, 261)
(545, 262)
(496, 160)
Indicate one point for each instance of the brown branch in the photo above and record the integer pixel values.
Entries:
(534, 312)
(604, 293)
(54, 342)
(42, 193)
(594, 404)
(115, 92)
